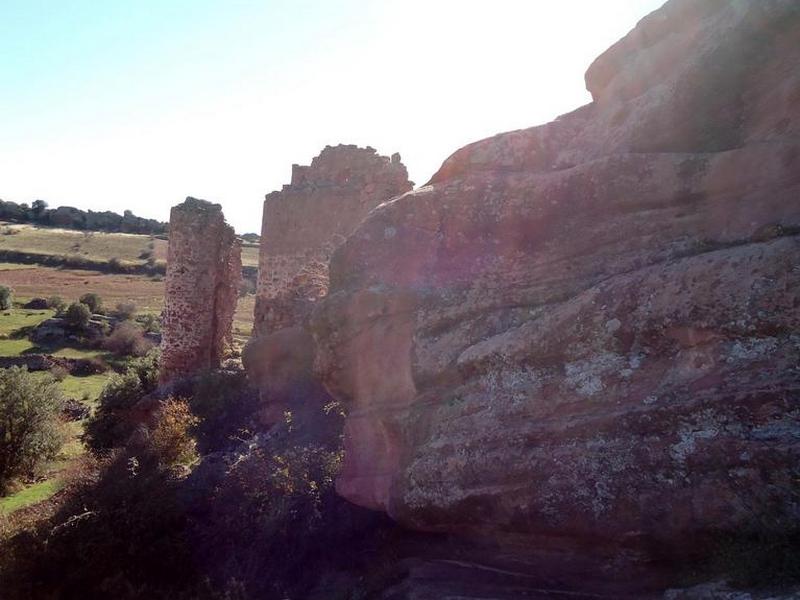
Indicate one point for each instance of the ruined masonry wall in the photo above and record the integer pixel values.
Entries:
(309, 218)
(204, 267)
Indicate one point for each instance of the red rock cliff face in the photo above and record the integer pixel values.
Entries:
(204, 266)
(592, 328)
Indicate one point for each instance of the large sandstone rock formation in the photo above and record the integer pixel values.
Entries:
(204, 265)
(591, 329)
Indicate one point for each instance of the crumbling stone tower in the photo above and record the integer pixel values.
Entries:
(308, 219)
(204, 266)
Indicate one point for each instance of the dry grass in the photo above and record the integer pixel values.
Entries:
(146, 293)
(90, 244)
(95, 245)
(249, 256)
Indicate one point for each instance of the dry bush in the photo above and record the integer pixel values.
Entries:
(56, 303)
(171, 439)
(125, 310)
(59, 373)
(127, 339)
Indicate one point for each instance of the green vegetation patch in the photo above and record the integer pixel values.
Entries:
(91, 245)
(85, 388)
(16, 347)
(33, 494)
(11, 321)
(7, 266)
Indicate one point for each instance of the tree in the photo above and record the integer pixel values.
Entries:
(78, 314)
(39, 209)
(31, 430)
(93, 301)
(6, 297)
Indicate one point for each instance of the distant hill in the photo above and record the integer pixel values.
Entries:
(69, 217)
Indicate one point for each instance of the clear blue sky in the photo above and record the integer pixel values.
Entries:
(134, 105)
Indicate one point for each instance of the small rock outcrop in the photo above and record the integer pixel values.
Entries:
(204, 267)
(590, 330)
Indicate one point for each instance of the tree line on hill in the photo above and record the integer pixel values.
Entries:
(69, 217)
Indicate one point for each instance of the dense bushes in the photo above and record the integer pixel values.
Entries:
(226, 406)
(30, 422)
(256, 517)
(77, 315)
(6, 297)
(109, 427)
(79, 261)
(93, 301)
(74, 218)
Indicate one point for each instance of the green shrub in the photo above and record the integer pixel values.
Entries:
(149, 322)
(56, 303)
(78, 314)
(6, 297)
(110, 426)
(93, 301)
(31, 429)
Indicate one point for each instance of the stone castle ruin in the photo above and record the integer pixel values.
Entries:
(204, 266)
(308, 219)
(303, 224)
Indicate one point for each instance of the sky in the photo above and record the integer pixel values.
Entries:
(137, 104)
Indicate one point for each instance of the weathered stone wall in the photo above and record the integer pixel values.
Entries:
(311, 217)
(204, 266)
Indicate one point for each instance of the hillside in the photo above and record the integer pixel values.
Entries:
(565, 367)
(91, 248)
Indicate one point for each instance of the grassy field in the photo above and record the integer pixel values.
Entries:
(91, 244)
(30, 281)
(12, 341)
(95, 245)
(12, 266)
(84, 388)
(146, 293)
(249, 256)
(53, 476)
(30, 495)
